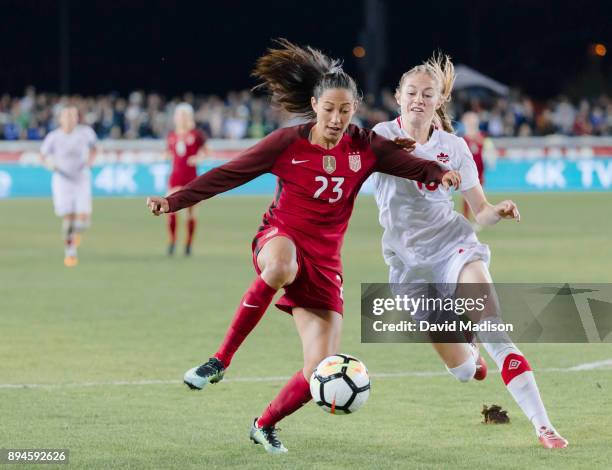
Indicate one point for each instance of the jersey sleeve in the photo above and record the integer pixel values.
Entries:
(47, 146)
(467, 167)
(92, 138)
(394, 160)
(250, 164)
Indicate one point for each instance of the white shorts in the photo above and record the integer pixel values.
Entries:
(442, 272)
(71, 197)
(416, 281)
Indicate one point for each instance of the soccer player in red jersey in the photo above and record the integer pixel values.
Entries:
(186, 145)
(320, 167)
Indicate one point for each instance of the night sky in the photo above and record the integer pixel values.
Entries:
(210, 47)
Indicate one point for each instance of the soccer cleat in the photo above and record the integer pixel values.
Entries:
(71, 261)
(481, 364)
(551, 439)
(481, 369)
(267, 438)
(187, 250)
(171, 249)
(210, 372)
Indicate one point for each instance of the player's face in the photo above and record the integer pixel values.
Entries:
(69, 118)
(334, 108)
(183, 120)
(418, 99)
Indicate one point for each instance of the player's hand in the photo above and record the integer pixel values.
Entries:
(158, 205)
(192, 161)
(406, 143)
(508, 210)
(451, 178)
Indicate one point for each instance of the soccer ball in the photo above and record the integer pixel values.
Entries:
(340, 384)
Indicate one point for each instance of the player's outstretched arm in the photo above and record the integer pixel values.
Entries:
(250, 164)
(486, 213)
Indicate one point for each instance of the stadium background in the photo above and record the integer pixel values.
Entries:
(91, 357)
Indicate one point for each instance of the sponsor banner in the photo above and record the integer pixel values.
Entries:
(113, 180)
(136, 179)
(494, 313)
(593, 174)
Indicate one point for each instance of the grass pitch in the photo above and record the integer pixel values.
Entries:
(86, 336)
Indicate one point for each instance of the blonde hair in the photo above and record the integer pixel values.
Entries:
(440, 68)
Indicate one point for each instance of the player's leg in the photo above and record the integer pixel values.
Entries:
(277, 262)
(191, 226)
(320, 332)
(82, 220)
(461, 359)
(515, 370)
(171, 222)
(68, 234)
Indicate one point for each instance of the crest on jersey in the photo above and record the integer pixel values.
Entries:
(329, 163)
(442, 158)
(355, 161)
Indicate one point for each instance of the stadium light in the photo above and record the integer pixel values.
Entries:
(359, 52)
(600, 50)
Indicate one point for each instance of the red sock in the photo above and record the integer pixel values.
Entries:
(172, 228)
(292, 397)
(252, 307)
(191, 225)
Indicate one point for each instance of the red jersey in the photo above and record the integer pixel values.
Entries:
(316, 187)
(182, 147)
(476, 145)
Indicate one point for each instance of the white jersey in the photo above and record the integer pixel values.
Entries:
(70, 152)
(425, 239)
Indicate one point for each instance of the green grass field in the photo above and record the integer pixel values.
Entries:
(87, 335)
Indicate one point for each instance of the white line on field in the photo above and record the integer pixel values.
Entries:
(604, 364)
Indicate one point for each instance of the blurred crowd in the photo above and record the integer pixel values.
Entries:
(241, 114)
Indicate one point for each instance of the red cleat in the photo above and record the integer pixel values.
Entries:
(481, 364)
(481, 369)
(551, 439)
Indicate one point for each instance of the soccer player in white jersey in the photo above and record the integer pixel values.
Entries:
(69, 152)
(426, 241)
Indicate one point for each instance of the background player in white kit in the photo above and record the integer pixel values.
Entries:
(426, 241)
(69, 152)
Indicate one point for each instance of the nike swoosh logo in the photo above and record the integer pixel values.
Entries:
(248, 305)
(295, 162)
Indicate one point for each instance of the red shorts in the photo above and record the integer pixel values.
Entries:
(180, 179)
(315, 286)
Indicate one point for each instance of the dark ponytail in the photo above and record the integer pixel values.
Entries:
(293, 75)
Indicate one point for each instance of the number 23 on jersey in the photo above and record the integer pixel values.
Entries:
(324, 182)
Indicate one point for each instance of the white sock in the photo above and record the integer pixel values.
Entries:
(70, 251)
(464, 372)
(521, 386)
(68, 234)
(81, 225)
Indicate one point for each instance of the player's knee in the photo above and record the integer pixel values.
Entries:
(80, 225)
(280, 272)
(464, 372)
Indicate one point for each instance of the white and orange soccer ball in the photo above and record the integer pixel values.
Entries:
(340, 384)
